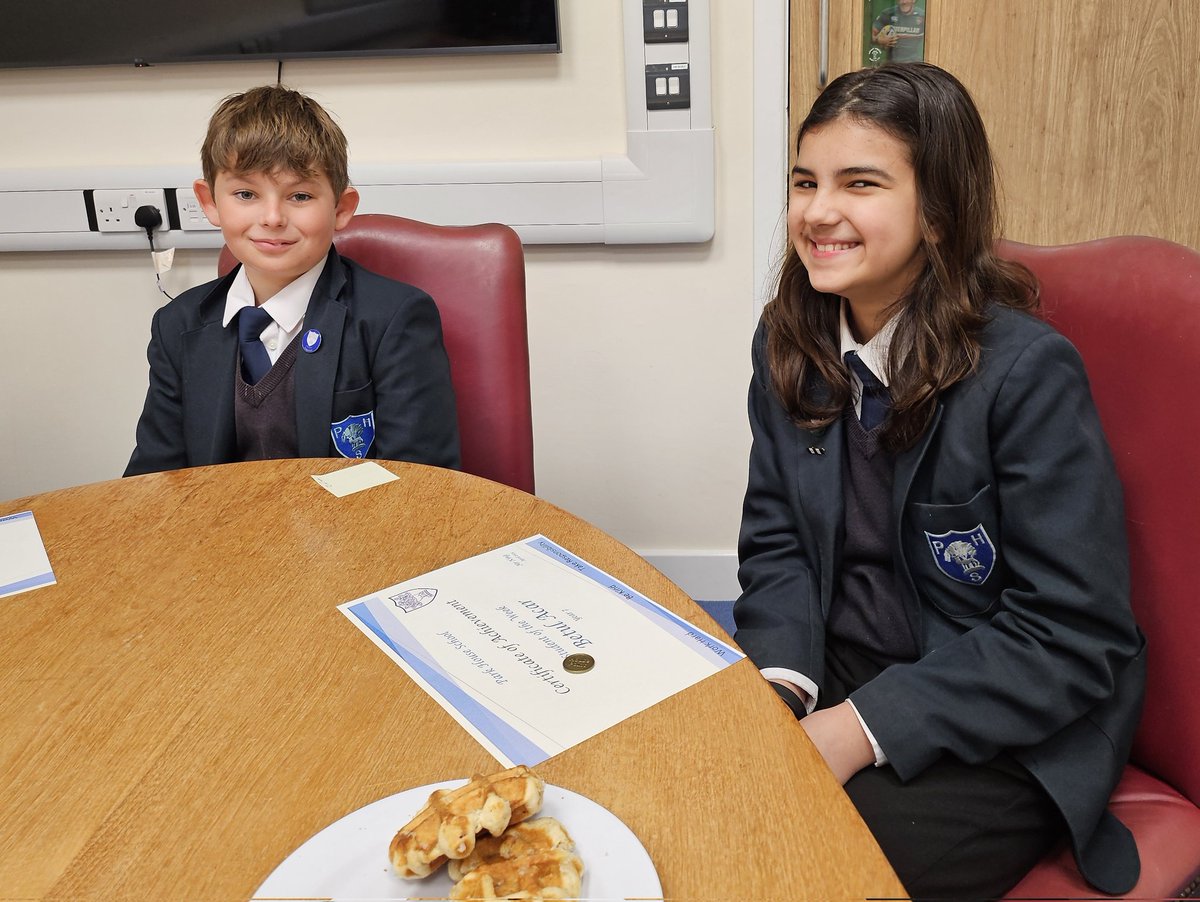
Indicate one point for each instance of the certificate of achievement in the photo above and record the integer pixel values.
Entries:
(534, 650)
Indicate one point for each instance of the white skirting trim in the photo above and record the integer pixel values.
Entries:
(707, 576)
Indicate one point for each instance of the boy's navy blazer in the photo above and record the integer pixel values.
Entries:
(380, 350)
(1043, 657)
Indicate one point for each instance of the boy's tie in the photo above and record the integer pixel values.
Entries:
(875, 398)
(255, 360)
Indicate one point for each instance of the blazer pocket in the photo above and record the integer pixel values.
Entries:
(953, 553)
(354, 401)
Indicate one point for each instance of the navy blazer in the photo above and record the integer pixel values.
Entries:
(380, 351)
(1028, 646)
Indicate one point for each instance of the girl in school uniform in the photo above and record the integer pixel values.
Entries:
(932, 549)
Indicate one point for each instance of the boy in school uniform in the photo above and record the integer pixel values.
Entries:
(299, 352)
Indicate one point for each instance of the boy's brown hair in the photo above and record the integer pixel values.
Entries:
(274, 128)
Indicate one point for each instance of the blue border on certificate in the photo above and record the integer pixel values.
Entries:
(376, 617)
(33, 582)
(708, 647)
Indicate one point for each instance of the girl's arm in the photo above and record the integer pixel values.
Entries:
(840, 739)
(778, 615)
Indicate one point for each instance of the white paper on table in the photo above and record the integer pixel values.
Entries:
(23, 561)
(353, 479)
(487, 637)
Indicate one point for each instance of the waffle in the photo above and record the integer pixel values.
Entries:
(448, 824)
(536, 877)
(540, 835)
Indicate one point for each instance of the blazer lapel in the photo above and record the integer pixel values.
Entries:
(316, 373)
(907, 464)
(210, 356)
(819, 462)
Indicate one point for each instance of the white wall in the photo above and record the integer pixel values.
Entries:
(639, 354)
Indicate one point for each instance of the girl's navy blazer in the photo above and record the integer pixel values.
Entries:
(1042, 658)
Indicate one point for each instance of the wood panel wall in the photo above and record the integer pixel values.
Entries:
(1093, 109)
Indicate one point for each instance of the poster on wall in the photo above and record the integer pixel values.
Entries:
(894, 31)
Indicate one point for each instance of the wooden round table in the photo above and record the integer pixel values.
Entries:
(187, 705)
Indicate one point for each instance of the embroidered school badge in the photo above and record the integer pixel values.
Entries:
(353, 436)
(967, 557)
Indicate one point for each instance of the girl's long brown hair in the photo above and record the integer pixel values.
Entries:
(943, 312)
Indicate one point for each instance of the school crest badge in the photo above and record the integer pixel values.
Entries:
(413, 599)
(353, 436)
(967, 557)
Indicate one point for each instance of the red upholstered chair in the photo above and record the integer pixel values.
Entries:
(476, 275)
(1132, 308)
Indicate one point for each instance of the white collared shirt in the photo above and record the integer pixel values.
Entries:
(287, 308)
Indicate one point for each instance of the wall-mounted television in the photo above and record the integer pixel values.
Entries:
(150, 32)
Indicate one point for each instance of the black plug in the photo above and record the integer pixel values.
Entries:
(148, 218)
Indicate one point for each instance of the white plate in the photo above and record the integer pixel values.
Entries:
(348, 860)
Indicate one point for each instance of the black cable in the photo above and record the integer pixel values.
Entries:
(148, 218)
(279, 73)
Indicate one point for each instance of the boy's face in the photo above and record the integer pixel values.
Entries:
(278, 224)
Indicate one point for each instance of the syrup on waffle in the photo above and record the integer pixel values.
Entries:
(539, 835)
(536, 877)
(448, 824)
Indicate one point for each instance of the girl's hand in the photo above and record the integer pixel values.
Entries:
(840, 739)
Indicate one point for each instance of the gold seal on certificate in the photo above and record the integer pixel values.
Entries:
(578, 663)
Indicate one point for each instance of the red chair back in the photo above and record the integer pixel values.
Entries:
(476, 275)
(1131, 306)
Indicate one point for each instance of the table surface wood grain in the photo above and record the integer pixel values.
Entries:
(187, 705)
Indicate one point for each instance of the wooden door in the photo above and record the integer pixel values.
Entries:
(1093, 108)
(845, 20)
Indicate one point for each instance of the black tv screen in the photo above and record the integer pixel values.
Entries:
(148, 32)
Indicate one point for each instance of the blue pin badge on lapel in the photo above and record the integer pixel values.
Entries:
(311, 340)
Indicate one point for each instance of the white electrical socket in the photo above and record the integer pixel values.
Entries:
(115, 207)
(191, 214)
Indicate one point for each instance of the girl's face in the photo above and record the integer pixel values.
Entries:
(852, 215)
